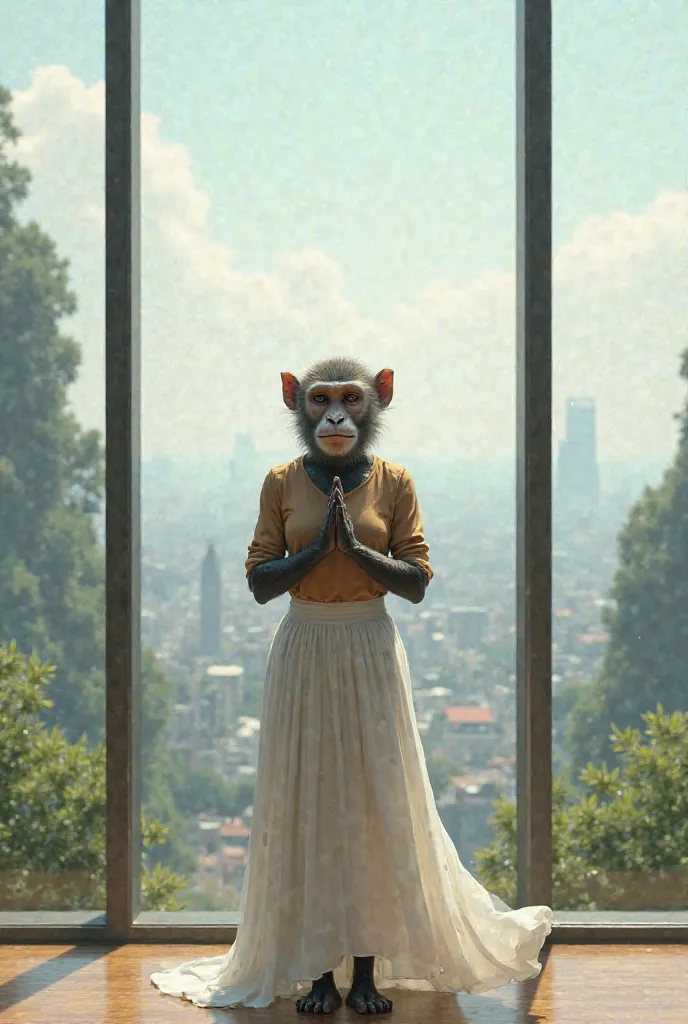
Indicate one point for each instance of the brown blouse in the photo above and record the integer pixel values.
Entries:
(386, 517)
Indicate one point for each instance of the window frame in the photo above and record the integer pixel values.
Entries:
(123, 921)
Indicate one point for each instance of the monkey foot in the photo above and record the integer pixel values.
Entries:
(324, 997)
(365, 998)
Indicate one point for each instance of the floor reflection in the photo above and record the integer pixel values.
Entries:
(578, 985)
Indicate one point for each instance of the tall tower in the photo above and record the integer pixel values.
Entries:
(211, 604)
(577, 485)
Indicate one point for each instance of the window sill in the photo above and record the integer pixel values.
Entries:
(579, 926)
(570, 927)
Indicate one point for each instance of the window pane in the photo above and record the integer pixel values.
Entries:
(52, 809)
(329, 180)
(621, 474)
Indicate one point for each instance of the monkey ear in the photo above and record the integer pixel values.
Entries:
(290, 386)
(384, 385)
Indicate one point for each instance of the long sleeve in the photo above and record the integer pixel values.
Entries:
(407, 539)
(268, 539)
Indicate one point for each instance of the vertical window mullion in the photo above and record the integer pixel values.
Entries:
(534, 448)
(122, 442)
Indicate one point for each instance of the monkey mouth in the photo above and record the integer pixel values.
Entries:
(329, 437)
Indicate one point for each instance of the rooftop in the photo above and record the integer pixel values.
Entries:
(469, 714)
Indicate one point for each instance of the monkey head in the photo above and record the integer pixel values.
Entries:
(337, 407)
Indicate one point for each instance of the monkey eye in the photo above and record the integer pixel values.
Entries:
(320, 399)
(351, 398)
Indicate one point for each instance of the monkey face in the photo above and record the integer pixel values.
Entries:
(335, 410)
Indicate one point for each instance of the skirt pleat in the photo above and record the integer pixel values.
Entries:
(348, 855)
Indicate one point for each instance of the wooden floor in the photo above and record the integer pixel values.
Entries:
(578, 985)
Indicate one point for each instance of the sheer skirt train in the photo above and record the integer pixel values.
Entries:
(348, 854)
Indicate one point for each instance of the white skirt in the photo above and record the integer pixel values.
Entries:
(348, 855)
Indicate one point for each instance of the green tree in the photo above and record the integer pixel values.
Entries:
(159, 768)
(621, 843)
(51, 471)
(646, 657)
(51, 486)
(215, 895)
(203, 789)
(175, 853)
(441, 771)
(52, 807)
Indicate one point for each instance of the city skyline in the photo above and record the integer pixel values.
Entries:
(243, 457)
(338, 207)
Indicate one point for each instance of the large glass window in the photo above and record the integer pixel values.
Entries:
(52, 706)
(340, 180)
(620, 643)
(322, 181)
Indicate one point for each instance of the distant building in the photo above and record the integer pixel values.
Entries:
(234, 861)
(466, 813)
(237, 830)
(221, 689)
(470, 734)
(577, 473)
(468, 627)
(211, 605)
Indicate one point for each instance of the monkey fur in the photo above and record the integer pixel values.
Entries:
(337, 408)
(337, 411)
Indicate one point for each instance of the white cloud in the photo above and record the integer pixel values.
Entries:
(215, 337)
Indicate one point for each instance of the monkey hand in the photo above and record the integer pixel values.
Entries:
(345, 536)
(327, 538)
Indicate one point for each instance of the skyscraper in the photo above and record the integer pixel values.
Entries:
(577, 482)
(211, 604)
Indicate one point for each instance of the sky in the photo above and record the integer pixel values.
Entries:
(337, 178)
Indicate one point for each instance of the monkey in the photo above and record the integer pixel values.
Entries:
(337, 409)
(342, 788)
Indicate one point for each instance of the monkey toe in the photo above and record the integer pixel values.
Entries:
(368, 1000)
(319, 1002)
